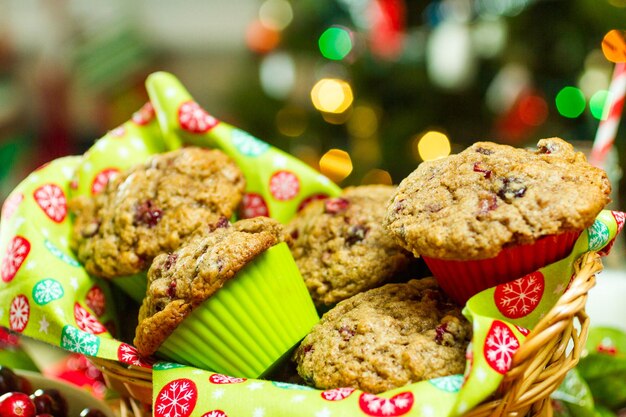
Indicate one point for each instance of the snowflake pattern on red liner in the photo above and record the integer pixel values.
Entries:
(176, 399)
(500, 346)
(521, 297)
(101, 180)
(129, 355)
(144, 115)
(194, 119)
(311, 199)
(225, 379)
(215, 413)
(284, 185)
(86, 321)
(51, 199)
(253, 205)
(96, 300)
(16, 253)
(337, 394)
(376, 406)
(19, 313)
(10, 205)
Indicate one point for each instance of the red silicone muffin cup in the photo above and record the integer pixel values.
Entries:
(462, 279)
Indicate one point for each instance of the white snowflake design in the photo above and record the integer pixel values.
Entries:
(451, 383)
(519, 298)
(128, 354)
(374, 405)
(17, 251)
(284, 185)
(215, 413)
(194, 119)
(144, 115)
(19, 313)
(10, 204)
(51, 199)
(47, 290)
(500, 346)
(248, 144)
(101, 180)
(75, 340)
(60, 254)
(225, 379)
(253, 205)
(337, 394)
(176, 399)
(86, 321)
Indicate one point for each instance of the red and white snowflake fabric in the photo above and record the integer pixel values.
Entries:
(337, 394)
(522, 330)
(86, 321)
(519, 298)
(118, 132)
(16, 253)
(128, 354)
(19, 313)
(253, 205)
(620, 218)
(10, 205)
(225, 379)
(215, 413)
(500, 346)
(51, 199)
(194, 119)
(96, 300)
(376, 406)
(101, 180)
(144, 115)
(284, 185)
(311, 199)
(177, 399)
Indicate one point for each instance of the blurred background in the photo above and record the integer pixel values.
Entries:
(363, 90)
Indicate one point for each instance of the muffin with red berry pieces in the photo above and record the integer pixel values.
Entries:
(386, 338)
(231, 301)
(153, 208)
(494, 213)
(341, 246)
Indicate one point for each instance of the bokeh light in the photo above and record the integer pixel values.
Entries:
(291, 121)
(570, 102)
(594, 79)
(335, 43)
(277, 73)
(614, 46)
(431, 145)
(276, 14)
(377, 176)
(336, 164)
(597, 103)
(260, 38)
(363, 122)
(331, 95)
(533, 110)
(450, 59)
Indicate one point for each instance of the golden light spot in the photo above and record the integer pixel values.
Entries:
(377, 176)
(614, 46)
(291, 121)
(332, 95)
(364, 122)
(431, 145)
(336, 164)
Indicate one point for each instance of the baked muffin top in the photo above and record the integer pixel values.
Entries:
(473, 204)
(153, 208)
(386, 338)
(341, 246)
(180, 281)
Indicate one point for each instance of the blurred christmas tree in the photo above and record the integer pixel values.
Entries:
(366, 89)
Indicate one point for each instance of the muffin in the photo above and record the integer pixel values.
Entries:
(231, 301)
(341, 246)
(386, 338)
(153, 208)
(494, 213)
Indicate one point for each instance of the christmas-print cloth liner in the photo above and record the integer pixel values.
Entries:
(46, 294)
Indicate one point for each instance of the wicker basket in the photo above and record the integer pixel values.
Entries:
(538, 368)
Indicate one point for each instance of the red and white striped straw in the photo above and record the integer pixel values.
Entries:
(607, 129)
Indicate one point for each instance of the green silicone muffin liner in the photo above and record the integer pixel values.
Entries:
(134, 285)
(246, 326)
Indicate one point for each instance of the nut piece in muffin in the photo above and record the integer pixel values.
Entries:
(341, 246)
(153, 208)
(386, 338)
(471, 205)
(180, 281)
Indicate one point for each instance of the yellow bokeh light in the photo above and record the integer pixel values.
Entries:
(332, 95)
(336, 164)
(377, 176)
(431, 145)
(364, 122)
(291, 121)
